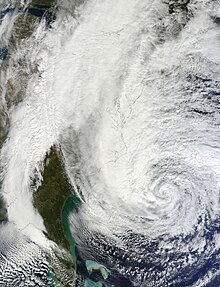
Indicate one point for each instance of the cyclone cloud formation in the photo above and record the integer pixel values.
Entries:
(129, 91)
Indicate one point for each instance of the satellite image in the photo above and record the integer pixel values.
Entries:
(109, 143)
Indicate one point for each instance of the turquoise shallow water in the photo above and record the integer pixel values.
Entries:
(70, 205)
(90, 283)
(93, 266)
(53, 279)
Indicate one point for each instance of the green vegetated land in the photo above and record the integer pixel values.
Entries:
(50, 197)
(52, 200)
(3, 211)
(43, 2)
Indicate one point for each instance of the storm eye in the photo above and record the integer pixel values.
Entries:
(216, 20)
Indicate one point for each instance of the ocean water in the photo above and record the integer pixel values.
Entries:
(129, 90)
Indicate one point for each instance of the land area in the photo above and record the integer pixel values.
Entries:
(22, 29)
(50, 197)
(54, 199)
(43, 2)
(3, 210)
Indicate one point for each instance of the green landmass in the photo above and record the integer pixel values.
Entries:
(3, 128)
(62, 268)
(54, 200)
(50, 197)
(47, 3)
(3, 210)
